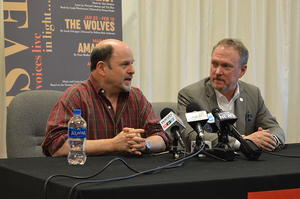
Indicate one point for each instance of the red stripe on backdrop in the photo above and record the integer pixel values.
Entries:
(278, 194)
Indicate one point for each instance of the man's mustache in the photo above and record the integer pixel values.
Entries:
(218, 78)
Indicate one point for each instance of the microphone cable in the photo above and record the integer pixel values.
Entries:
(84, 177)
(282, 155)
(137, 173)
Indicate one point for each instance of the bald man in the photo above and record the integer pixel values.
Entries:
(119, 117)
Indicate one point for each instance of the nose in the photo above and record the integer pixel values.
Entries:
(219, 70)
(131, 69)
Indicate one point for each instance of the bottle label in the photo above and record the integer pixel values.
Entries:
(77, 133)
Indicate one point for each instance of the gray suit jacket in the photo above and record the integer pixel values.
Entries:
(250, 110)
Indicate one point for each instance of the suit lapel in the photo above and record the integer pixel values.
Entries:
(240, 110)
(211, 96)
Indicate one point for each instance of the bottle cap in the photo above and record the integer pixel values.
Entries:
(77, 111)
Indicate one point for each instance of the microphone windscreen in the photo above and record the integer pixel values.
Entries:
(216, 110)
(165, 112)
(192, 107)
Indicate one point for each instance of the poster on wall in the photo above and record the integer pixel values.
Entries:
(48, 43)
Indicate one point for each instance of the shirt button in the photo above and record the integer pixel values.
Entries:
(102, 91)
(109, 107)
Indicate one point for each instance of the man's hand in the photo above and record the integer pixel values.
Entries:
(130, 140)
(136, 142)
(263, 139)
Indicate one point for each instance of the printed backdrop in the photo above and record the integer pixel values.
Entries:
(48, 43)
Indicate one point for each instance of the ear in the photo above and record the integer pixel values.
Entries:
(243, 70)
(101, 68)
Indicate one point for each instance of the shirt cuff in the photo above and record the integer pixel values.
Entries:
(279, 143)
(236, 145)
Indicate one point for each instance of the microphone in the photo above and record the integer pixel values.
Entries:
(196, 118)
(226, 120)
(222, 118)
(172, 124)
(210, 125)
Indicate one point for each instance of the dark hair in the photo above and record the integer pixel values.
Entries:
(238, 45)
(101, 54)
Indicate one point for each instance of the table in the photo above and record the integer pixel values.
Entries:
(198, 177)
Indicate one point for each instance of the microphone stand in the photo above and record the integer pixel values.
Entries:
(223, 150)
(206, 151)
(223, 140)
(174, 148)
(198, 142)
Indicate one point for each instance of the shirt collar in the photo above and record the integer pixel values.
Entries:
(220, 96)
(100, 90)
(95, 85)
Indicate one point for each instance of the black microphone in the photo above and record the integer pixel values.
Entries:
(222, 118)
(172, 124)
(226, 120)
(196, 118)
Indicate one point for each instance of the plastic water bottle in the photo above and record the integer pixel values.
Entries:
(77, 139)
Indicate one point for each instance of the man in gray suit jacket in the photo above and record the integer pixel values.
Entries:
(223, 89)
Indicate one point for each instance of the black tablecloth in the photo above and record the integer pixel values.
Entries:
(198, 177)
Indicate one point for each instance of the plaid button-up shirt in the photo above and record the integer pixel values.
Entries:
(133, 110)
